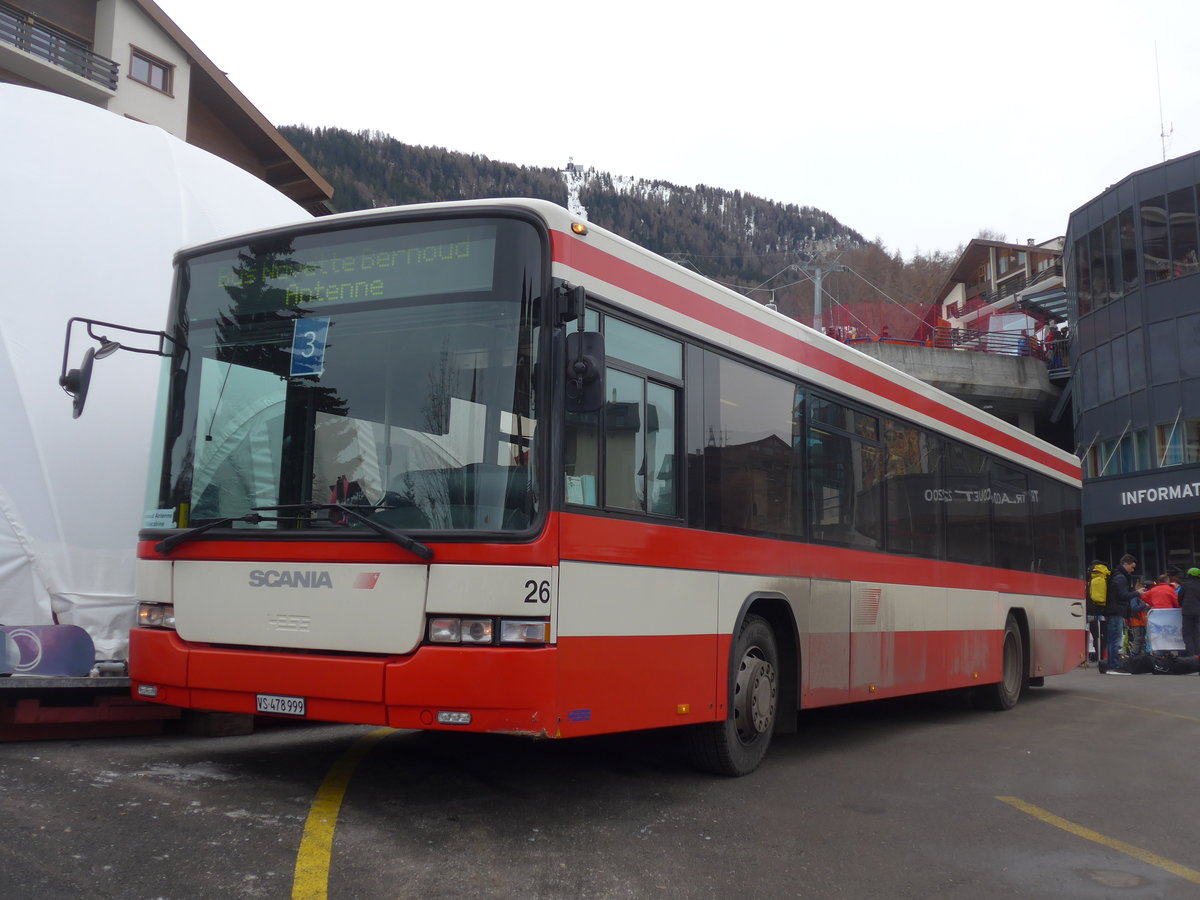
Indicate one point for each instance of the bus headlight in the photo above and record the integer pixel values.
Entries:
(477, 631)
(524, 631)
(456, 630)
(156, 615)
(444, 630)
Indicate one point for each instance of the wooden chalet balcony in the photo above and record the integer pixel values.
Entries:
(25, 32)
(1014, 284)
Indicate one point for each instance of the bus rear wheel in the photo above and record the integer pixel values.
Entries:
(1005, 693)
(738, 744)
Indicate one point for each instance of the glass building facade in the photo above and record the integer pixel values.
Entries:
(1133, 284)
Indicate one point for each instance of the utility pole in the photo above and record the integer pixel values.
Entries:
(818, 269)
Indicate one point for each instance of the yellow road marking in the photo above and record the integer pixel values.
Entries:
(1149, 709)
(311, 881)
(1087, 834)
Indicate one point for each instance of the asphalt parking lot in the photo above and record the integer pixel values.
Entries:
(1087, 789)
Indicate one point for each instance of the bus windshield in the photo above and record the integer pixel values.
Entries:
(388, 369)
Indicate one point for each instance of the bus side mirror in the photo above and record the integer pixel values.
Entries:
(76, 381)
(585, 371)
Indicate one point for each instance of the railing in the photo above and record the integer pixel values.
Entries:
(979, 291)
(1048, 272)
(1003, 343)
(26, 33)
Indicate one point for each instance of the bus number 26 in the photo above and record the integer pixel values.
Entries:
(539, 591)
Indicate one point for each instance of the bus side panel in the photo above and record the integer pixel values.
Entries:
(1057, 634)
(611, 684)
(963, 659)
(825, 645)
(638, 647)
(1056, 651)
(891, 651)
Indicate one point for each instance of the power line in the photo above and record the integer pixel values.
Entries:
(899, 303)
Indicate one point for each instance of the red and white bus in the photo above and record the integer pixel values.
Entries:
(483, 466)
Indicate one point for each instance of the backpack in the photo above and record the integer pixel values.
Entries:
(1138, 665)
(1097, 590)
(1176, 665)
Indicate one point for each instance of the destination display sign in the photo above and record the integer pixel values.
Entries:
(388, 264)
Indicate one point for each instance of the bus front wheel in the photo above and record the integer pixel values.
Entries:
(738, 744)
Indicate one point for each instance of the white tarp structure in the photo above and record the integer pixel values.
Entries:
(94, 208)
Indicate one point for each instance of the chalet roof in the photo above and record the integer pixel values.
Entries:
(286, 169)
(977, 253)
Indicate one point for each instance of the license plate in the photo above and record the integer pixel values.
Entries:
(280, 706)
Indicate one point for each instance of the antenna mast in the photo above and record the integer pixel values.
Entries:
(1163, 133)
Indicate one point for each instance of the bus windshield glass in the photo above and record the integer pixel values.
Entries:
(388, 369)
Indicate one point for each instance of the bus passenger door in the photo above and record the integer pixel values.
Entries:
(827, 644)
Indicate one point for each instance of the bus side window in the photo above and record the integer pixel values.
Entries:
(968, 515)
(915, 503)
(845, 465)
(625, 441)
(662, 489)
(582, 458)
(639, 445)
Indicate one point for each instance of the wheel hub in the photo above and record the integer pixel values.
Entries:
(756, 694)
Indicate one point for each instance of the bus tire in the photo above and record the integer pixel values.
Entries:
(1005, 693)
(736, 745)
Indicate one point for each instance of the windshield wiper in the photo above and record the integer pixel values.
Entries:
(167, 544)
(421, 550)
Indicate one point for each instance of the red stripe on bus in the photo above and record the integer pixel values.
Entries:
(578, 254)
(589, 538)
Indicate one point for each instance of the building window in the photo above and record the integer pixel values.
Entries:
(1181, 206)
(151, 71)
(1099, 280)
(1168, 440)
(1128, 250)
(1109, 464)
(1112, 260)
(1083, 276)
(1155, 258)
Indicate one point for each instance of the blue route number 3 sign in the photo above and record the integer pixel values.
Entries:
(308, 346)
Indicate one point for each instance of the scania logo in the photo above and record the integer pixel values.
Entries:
(274, 578)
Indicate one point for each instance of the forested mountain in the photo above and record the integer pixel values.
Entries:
(734, 238)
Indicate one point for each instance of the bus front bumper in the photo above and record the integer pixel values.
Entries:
(482, 689)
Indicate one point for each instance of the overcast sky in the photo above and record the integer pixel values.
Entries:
(915, 123)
